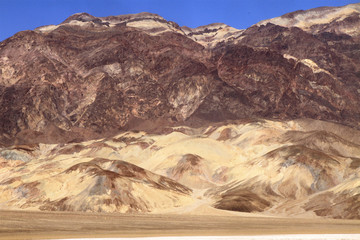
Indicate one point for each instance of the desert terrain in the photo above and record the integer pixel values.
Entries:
(186, 182)
(132, 126)
(299, 168)
(60, 225)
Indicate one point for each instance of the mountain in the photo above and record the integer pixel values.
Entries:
(134, 113)
(90, 77)
(338, 20)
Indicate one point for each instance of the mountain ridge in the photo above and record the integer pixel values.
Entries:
(316, 75)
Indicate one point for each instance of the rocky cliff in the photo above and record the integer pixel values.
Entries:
(90, 77)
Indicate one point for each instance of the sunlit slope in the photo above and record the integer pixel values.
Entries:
(80, 183)
(300, 167)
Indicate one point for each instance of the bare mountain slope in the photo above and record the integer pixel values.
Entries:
(90, 77)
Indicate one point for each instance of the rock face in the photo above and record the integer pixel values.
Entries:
(90, 77)
(134, 113)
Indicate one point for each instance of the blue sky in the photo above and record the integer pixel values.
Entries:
(18, 15)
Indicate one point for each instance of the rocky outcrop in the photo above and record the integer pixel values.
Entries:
(94, 76)
(97, 89)
(210, 35)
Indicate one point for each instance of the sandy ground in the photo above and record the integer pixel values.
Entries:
(61, 225)
(263, 237)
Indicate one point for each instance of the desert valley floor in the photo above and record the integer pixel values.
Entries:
(56, 225)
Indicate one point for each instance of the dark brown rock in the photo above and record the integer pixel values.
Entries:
(93, 77)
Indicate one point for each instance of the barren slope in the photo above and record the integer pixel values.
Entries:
(277, 168)
(91, 77)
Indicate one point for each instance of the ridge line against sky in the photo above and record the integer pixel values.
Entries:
(19, 15)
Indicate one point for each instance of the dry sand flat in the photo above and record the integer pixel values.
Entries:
(263, 237)
(60, 225)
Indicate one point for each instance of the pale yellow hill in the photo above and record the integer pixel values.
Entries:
(267, 167)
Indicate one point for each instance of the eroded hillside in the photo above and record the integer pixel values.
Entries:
(92, 77)
(275, 168)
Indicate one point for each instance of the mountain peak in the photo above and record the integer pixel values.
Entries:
(153, 24)
(211, 34)
(132, 16)
(318, 19)
(84, 17)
